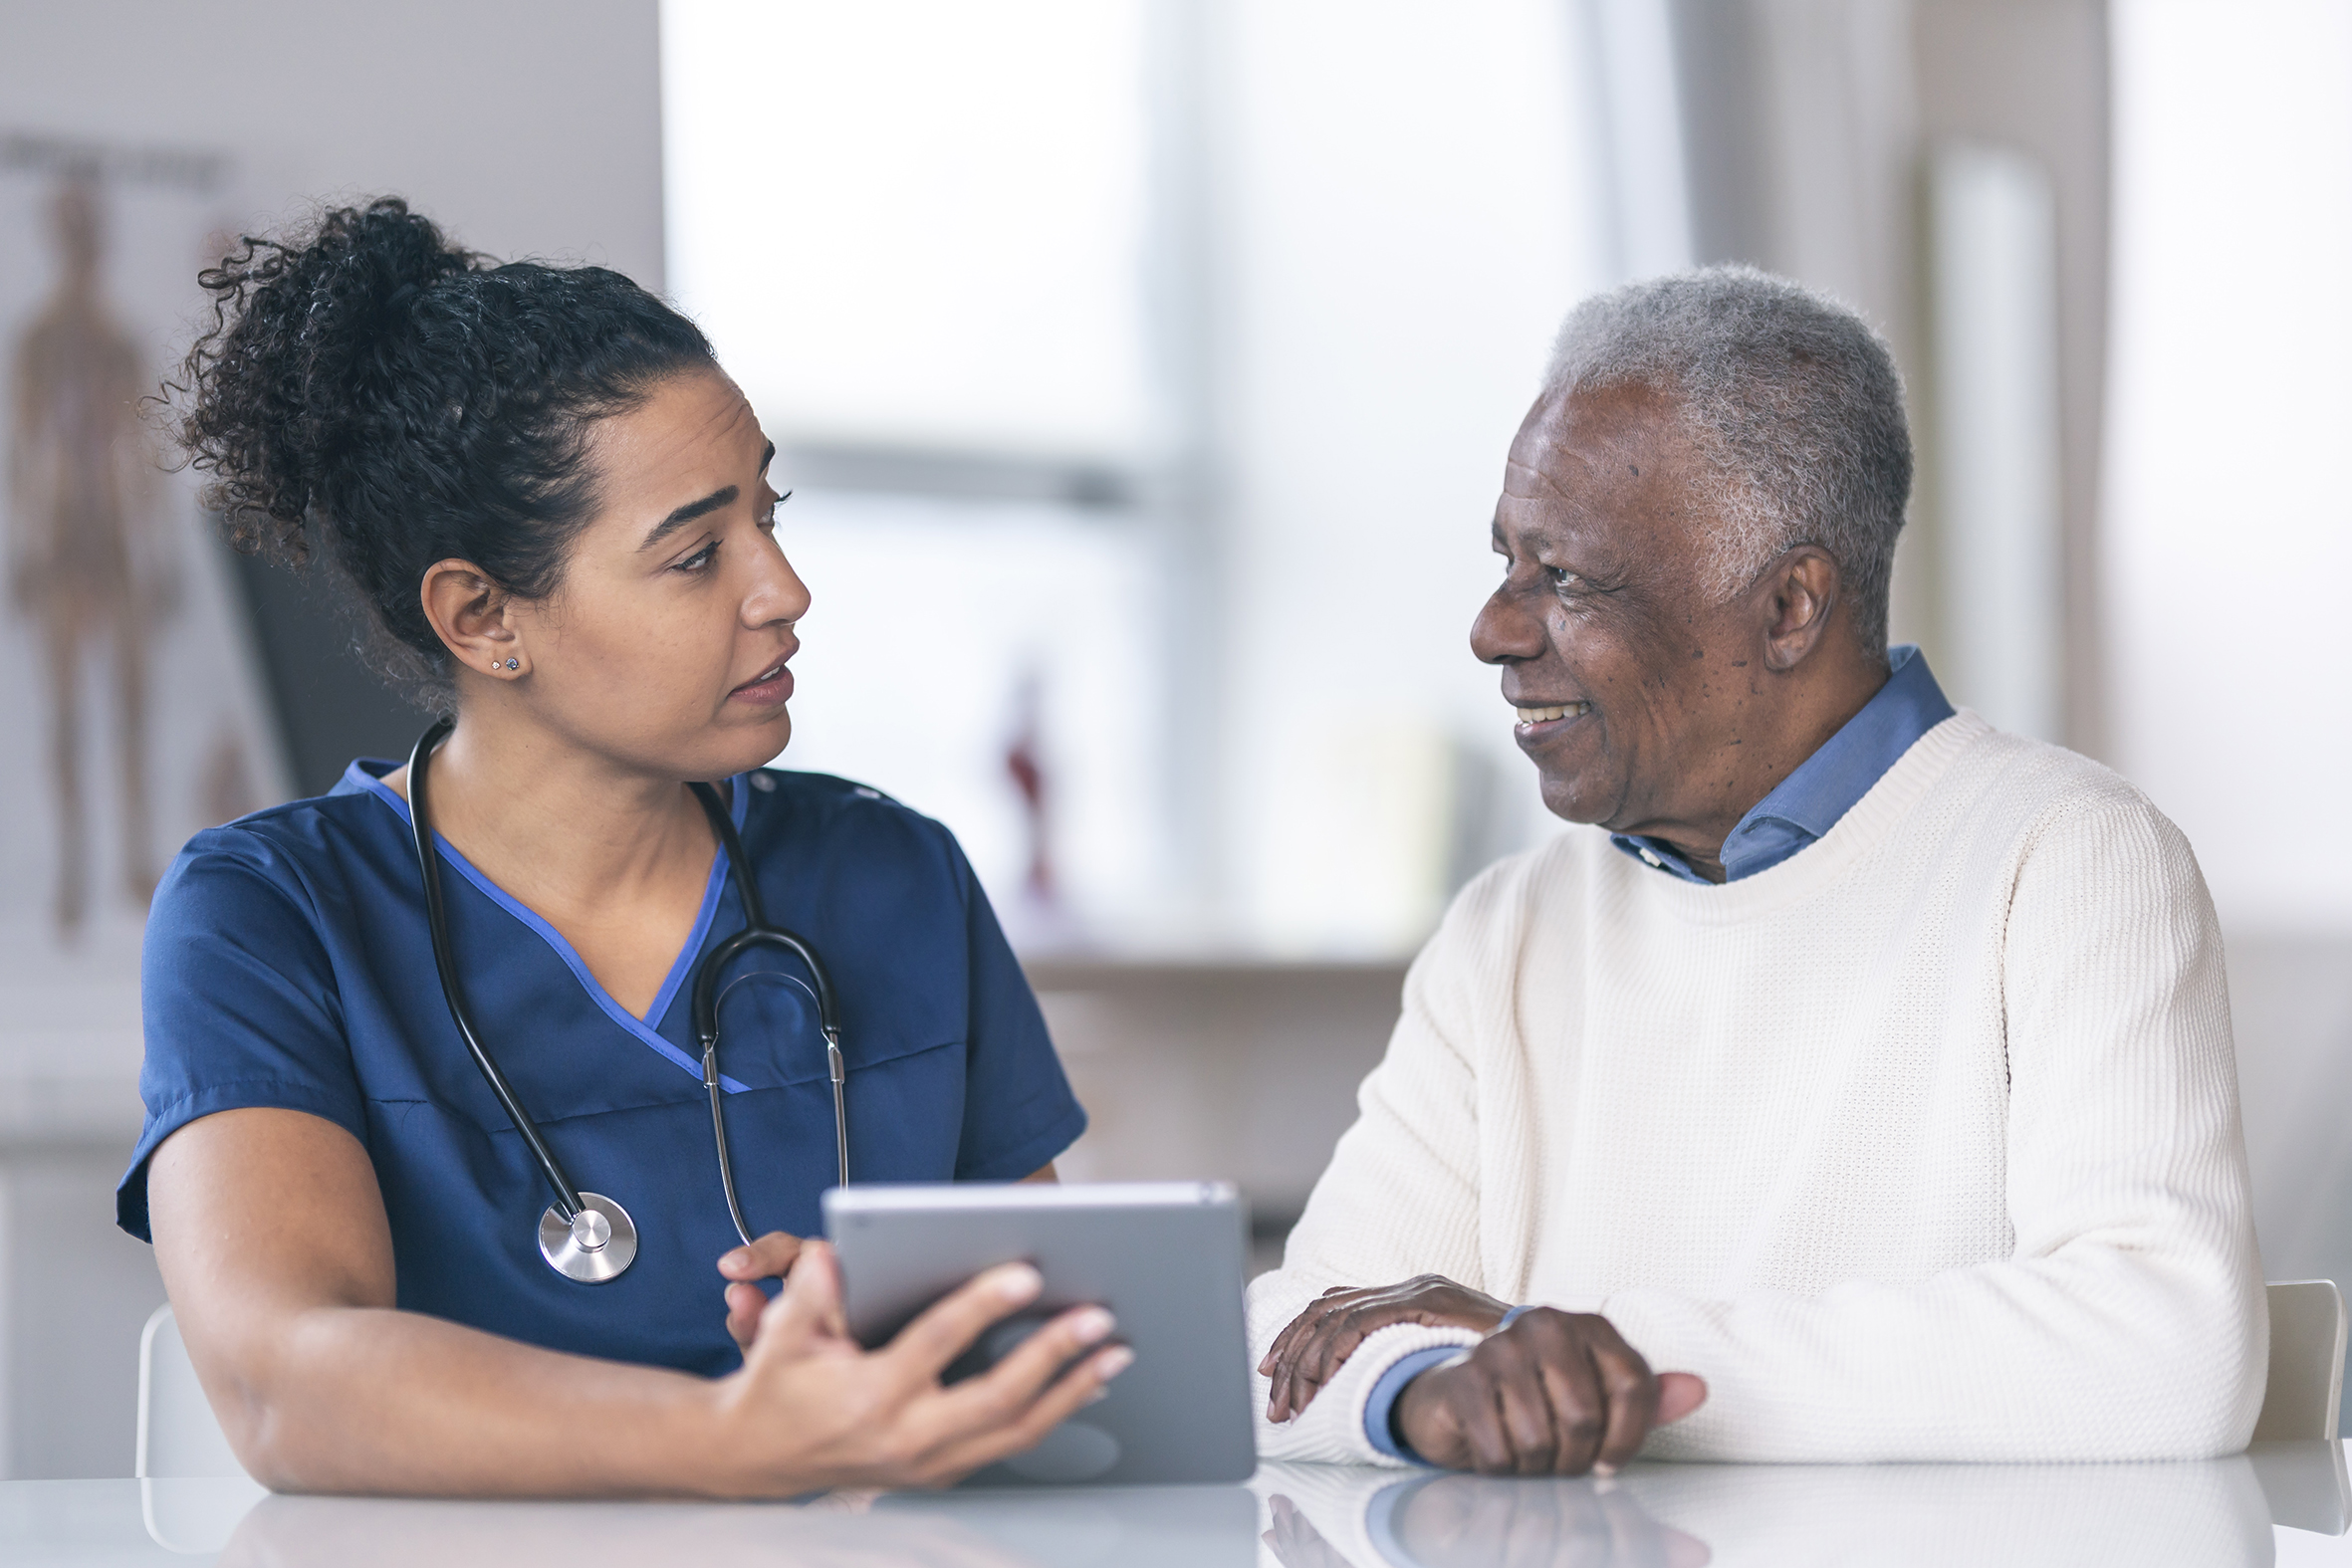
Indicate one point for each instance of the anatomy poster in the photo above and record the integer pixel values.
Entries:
(134, 713)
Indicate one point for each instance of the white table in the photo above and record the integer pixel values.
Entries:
(2216, 1515)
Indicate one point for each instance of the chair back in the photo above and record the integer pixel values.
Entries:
(178, 1435)
(2303, 1398)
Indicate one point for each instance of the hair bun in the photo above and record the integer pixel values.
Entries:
(375, 394)
(363, 264)
(291, 373)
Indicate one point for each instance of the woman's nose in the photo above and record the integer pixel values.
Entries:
(779, 595)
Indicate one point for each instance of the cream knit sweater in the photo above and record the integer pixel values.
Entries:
(1920, 1145)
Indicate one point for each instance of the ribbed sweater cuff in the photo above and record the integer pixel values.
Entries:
(1330, 1431)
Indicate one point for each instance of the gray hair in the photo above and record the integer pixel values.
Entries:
(1793, 400)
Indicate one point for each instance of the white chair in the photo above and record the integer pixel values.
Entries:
(178, 1435)
(2302, 1398)
(2296, 1455)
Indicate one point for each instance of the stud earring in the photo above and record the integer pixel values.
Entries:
(510, 664)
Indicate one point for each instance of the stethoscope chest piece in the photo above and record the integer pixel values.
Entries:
(593, 1248)
(599, 1241)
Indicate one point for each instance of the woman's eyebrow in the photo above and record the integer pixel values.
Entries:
(687, 514)
(694, 509)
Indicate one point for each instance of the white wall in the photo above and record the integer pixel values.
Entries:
(2229, 527)
(529, 129)
(1403, 220)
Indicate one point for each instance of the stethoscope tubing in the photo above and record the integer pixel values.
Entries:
(757, 933)
(453, 986)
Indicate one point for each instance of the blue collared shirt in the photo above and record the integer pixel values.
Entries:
(1806, 804)
(1826, 786)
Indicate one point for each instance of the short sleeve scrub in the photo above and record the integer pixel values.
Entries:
(287, 964)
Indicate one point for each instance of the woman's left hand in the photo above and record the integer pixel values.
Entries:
(769, 1257)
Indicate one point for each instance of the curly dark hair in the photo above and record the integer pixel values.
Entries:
(367, 386)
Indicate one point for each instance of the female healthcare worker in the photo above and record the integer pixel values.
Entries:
(554, 508)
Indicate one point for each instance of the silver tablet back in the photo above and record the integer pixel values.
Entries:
(1166, 1258)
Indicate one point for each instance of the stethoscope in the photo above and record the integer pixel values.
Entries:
(585, 1236)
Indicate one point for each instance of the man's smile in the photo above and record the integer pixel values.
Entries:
(1541, 722)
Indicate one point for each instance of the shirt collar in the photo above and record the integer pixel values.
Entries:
(1826, 786)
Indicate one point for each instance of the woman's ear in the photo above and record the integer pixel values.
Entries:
(471, 615)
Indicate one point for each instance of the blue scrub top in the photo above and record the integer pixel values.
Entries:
(287, 964)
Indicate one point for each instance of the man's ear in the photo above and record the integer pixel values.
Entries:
(1795, 600)
(468, 613)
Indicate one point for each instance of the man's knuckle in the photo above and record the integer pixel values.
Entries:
(1628, 1379)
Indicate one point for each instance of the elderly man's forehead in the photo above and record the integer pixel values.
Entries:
(1570, 441)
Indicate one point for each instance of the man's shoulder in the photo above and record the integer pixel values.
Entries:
(1968, 788)
(2026, 789)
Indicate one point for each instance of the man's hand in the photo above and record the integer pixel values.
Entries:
(769, 1257)
(1554, 1394)
(1309, 1354)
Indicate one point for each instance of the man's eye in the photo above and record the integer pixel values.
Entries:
(700, 558)
(1561, 576)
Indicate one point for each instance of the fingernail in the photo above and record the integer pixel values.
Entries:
(1019, 1281)
(731, 1262)
(1604, 1472)
(1113, 1362)
(1091, 1324)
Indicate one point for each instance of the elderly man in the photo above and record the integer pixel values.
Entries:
(1869, 1074)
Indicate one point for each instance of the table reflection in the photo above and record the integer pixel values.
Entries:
(2210, 1514)
(1174, 1526)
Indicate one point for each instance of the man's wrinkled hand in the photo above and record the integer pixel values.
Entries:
(1554, 1394)
(1310, 1353)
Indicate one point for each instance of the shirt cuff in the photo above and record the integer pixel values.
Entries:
(1380, 1404)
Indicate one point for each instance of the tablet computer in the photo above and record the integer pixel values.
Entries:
(1166, 1258)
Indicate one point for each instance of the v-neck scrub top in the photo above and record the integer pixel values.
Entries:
(287, 964)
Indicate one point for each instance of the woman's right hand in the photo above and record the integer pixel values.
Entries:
(813, 1408)
(769, 1257)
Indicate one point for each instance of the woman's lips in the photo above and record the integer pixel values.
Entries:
(768, 689)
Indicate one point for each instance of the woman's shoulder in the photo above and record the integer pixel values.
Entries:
(286, 846)
(790, 811)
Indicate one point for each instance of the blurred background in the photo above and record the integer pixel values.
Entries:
(1143, 370)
